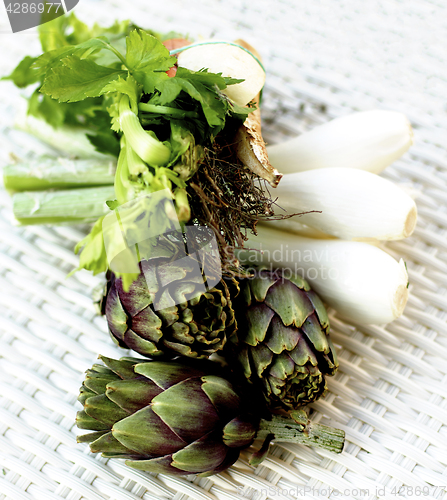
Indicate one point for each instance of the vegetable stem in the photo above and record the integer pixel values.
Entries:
(70, 140)
(166, 110)
(287, 431)
(67, 205)
(49, 172)
(117, 53)
(147, 146)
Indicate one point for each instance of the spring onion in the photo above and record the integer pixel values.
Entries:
(368, 140)
(348, 203)
(362, 282)
(230, 59)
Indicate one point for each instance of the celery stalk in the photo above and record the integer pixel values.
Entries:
(49, 172)
(62, 206)
(72, 141)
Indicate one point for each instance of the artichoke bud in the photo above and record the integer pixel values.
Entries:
(282, 344)
(174, 307)
(176, 418)
(182, 418)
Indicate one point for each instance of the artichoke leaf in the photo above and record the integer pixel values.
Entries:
(186, 409)
(222, 396)
(108, 444)
(282, 367)
(289, 302)
(262, 358)
(91, 436)
(282, 338)
(147, 324)
(98, 384)
(123, 368)
(139, 344)
(258, 319)
(239, 432)
(160, 465)
(319, 309)
(260, 287)
(166, 374)
(303, 354)
(84, 421)
(102, 408)
(132, 395)
(312, 328)
(146, 433)
(201, 455)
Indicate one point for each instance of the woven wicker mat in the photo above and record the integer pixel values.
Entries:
(323, 59)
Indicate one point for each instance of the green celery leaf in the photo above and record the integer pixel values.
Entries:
(77, 79)
(129, 86)
(102, 136)
(147, 53)
(181, 139)
(52, 33)
(105, 142)
(116, 30)
(114, 113)
(169, 89)
(112, 204)
(42, 106)
(69, 30)
(91, 111)
(24, 74)
(79, 31)
(147, 59)
(209, 80)
(53, 58)
(93, 255)
(203, 87)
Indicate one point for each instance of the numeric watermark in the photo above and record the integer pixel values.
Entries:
(26, 14)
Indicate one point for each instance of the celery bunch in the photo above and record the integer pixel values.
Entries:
(115, 87)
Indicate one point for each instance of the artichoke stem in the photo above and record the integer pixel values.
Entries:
(286, 430)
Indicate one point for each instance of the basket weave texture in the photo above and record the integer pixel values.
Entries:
(324, 59)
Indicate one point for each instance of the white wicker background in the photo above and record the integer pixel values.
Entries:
(324, 58)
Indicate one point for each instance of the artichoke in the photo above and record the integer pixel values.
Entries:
(167, 311)
(282, 343)
(179, 418)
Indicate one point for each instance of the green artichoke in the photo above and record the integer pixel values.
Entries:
(168, 311)
(179, 418)
(282, 343)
